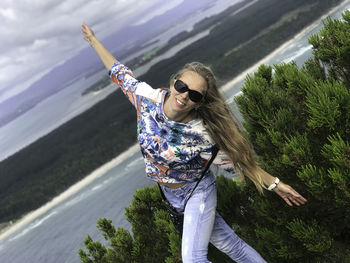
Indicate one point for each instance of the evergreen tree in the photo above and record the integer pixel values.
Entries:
(299, 123)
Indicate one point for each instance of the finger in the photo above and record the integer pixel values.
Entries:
(301, 199)
(295, 201)
(85, 28)
(293, 192)
(287, 201)
(298, 196)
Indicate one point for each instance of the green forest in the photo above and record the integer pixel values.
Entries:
(47, 167)
(298, 120)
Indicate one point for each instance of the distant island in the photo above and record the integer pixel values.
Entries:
(47, 167)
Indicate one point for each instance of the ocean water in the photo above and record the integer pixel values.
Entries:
(56, 235)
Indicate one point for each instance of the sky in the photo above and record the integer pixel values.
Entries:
(38, 35)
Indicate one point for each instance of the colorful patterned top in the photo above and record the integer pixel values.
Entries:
(182, 148)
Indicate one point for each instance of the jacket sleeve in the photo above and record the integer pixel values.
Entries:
(221, 161)
(124, 78)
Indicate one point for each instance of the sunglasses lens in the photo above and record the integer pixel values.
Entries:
(182, 87)
(195, 96)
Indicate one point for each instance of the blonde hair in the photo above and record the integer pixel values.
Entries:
(223, 127)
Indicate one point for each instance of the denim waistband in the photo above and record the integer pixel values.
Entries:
(178, 196)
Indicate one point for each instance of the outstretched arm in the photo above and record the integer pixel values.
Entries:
(105, 56)
(286, 192)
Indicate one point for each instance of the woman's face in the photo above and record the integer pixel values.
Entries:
(181, 102)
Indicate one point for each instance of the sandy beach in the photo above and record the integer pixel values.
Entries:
(69, 192)
(7, 231)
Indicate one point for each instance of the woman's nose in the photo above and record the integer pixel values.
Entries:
(185, 95)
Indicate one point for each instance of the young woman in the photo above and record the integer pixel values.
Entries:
(177, 130)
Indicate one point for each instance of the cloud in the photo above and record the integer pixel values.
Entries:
(38, 35)
(8, 13)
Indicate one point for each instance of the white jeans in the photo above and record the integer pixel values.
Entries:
(203, 224)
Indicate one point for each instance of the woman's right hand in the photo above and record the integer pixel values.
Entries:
(88, 34)
(105, 56)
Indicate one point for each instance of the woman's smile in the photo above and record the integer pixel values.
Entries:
(179, 102)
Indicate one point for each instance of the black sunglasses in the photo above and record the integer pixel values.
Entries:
(182, 87)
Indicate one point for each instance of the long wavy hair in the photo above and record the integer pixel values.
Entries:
(223, 126)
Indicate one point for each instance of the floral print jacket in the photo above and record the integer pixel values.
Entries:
(173, 152)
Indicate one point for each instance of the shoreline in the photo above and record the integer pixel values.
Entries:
(31, 216)
(256, 65)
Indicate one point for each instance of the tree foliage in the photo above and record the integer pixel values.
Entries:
(299, 123)
(154, 239)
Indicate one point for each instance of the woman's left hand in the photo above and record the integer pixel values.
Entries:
(289, 195)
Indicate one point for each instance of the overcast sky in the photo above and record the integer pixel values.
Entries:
(37, 35)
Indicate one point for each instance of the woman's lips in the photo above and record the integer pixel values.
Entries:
(180, 103)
